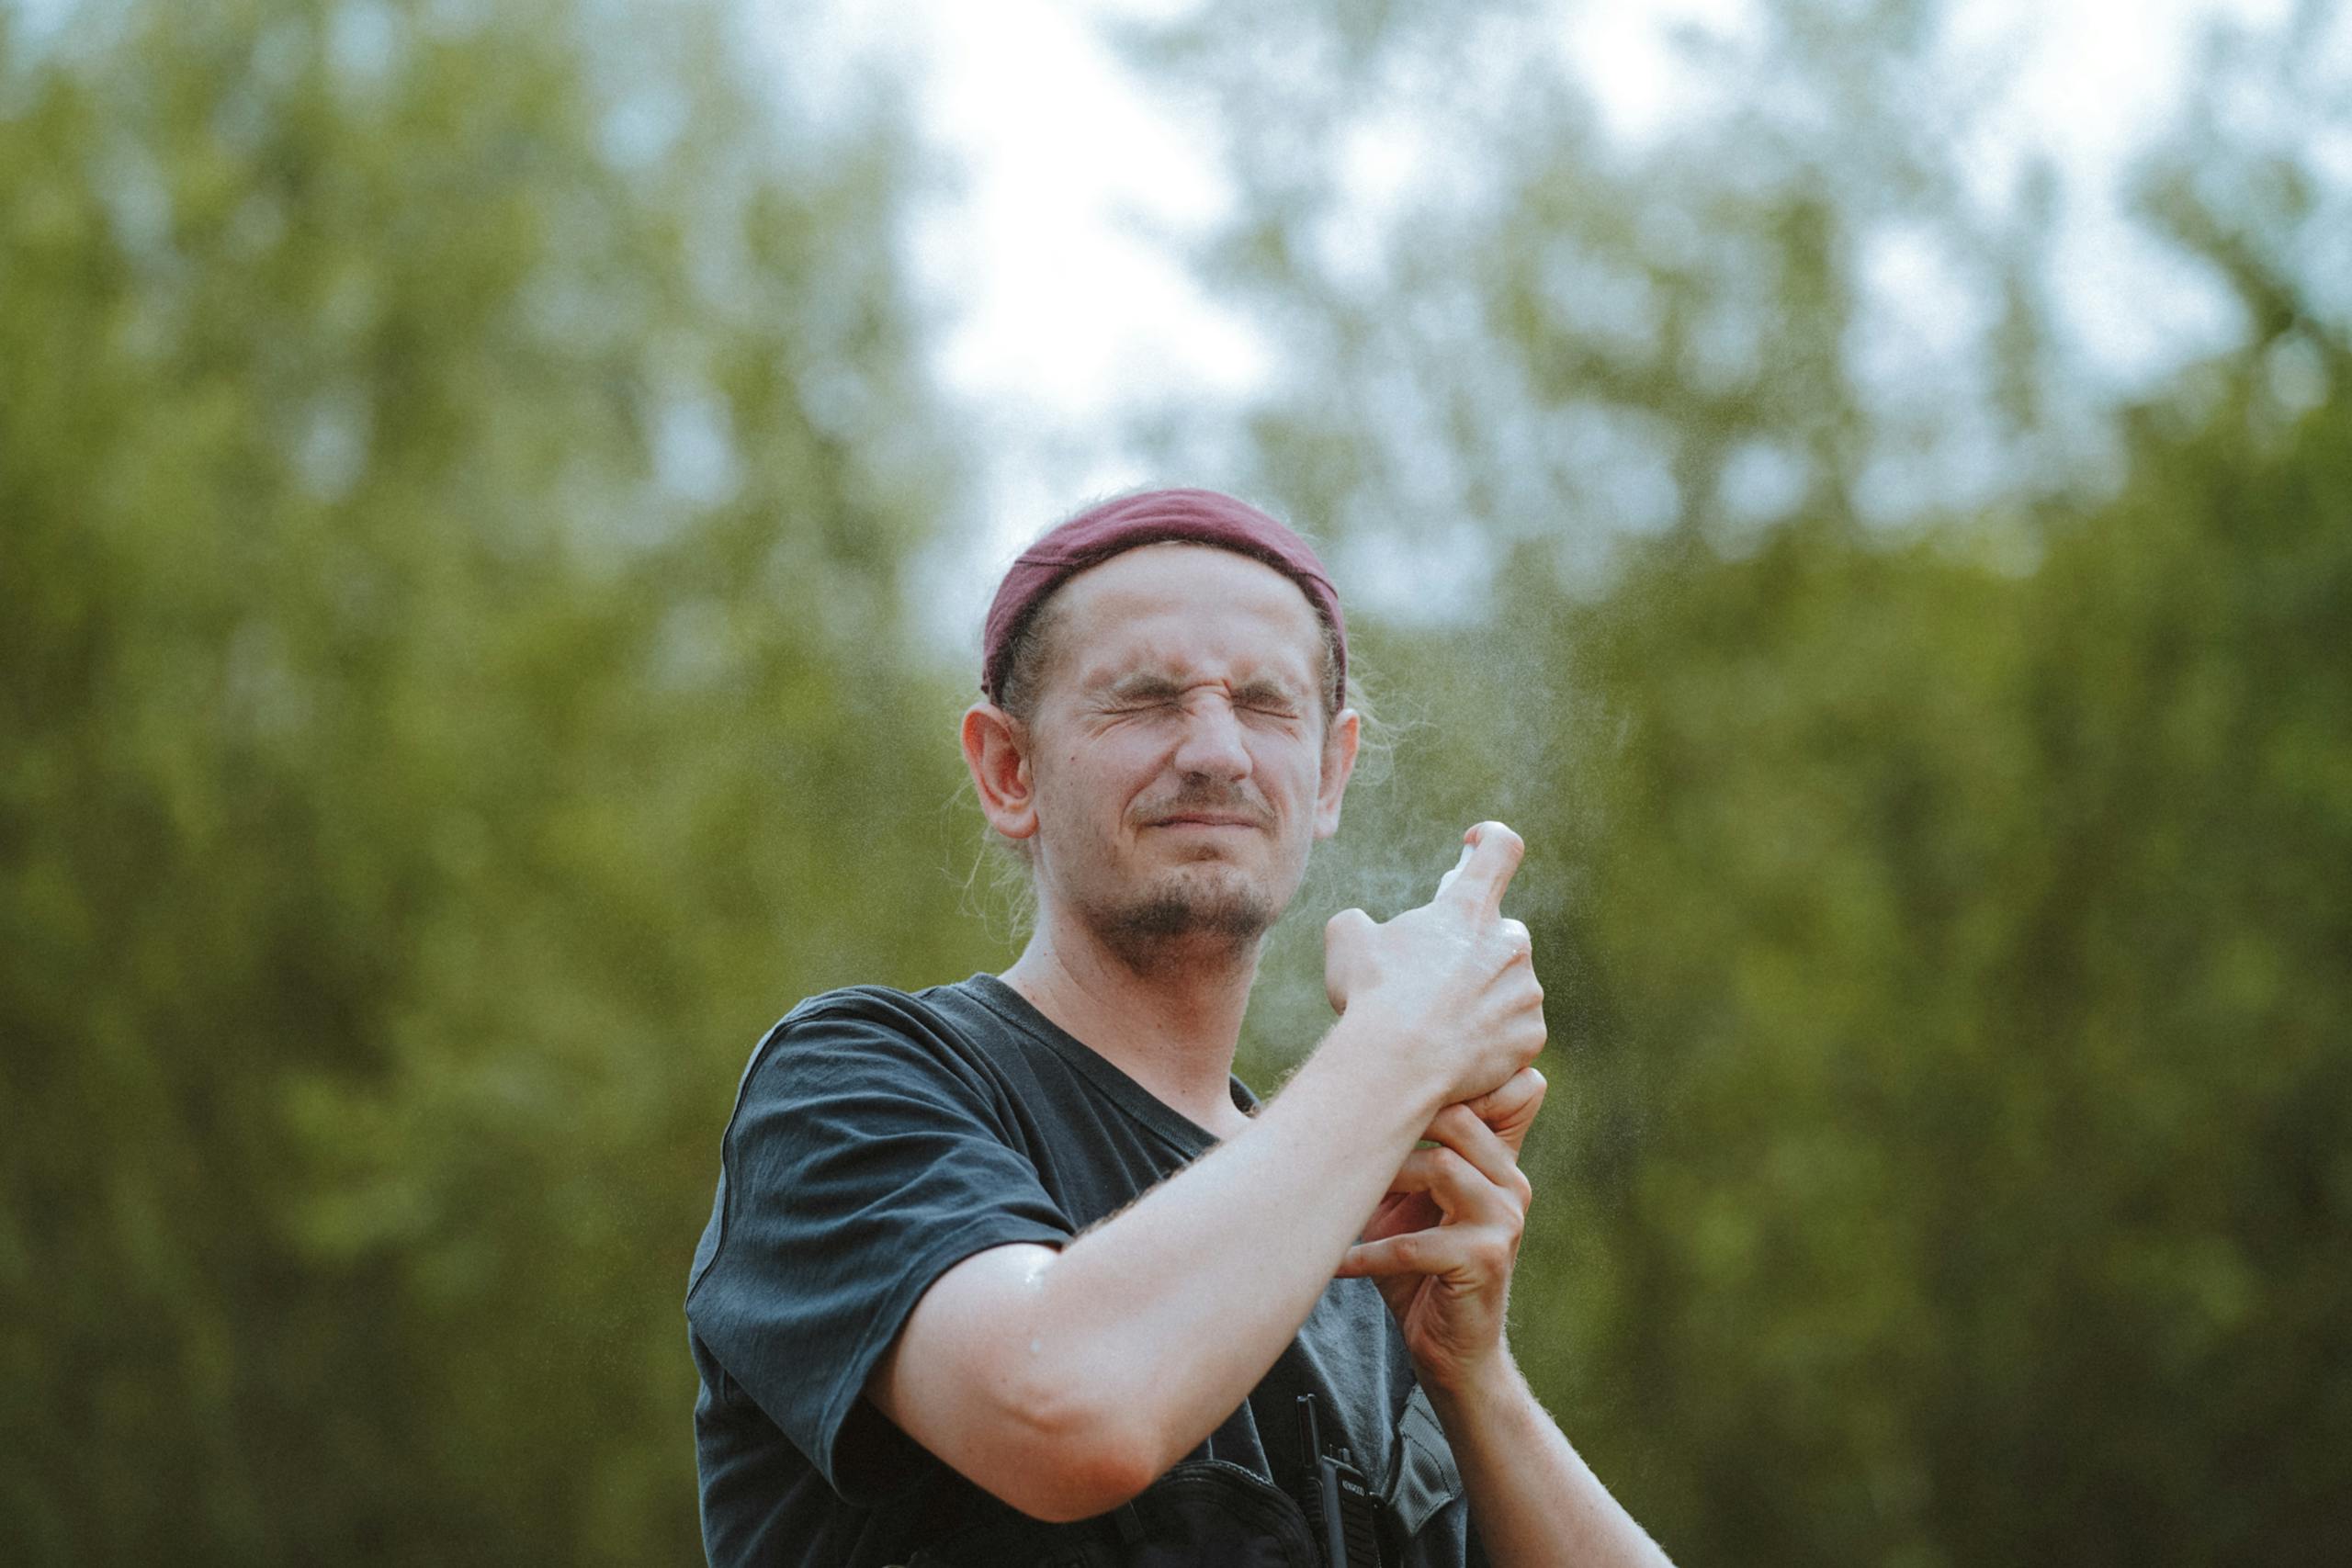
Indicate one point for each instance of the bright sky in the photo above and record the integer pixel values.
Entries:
(1059, 261)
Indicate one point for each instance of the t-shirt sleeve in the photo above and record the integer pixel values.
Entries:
(863, 1160)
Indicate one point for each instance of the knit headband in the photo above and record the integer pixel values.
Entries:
(1153, 517)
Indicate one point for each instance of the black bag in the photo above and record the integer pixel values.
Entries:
(1209, 1513)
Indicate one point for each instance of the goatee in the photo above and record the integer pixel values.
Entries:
(1172, 925)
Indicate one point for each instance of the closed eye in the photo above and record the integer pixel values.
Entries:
(1145, 697)
(1268, 700)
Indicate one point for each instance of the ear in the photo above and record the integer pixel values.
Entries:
(992, 750)
(1338, 763)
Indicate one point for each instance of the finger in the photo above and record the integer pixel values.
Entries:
(1487, 870)
(1459, 1250)
(1516, 934)
(1517, 1096)
(1469, 846)
(1462, 1190)
(1481, 1148)
(1341, 934)
(1510, 1109)
(1396, 1255)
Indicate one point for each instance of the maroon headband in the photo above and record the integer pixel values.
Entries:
(1153, 517)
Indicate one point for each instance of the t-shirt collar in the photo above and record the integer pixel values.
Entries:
(1106, 1075)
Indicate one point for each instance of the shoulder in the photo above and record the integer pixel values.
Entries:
(873, 1037)
(947, 1009)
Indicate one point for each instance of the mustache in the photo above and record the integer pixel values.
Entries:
(1208, 803)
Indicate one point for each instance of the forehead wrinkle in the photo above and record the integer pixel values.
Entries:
(1179, 611)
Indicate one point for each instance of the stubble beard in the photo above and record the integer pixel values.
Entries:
(1188, 918)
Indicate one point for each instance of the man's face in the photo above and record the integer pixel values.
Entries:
(1178, 752)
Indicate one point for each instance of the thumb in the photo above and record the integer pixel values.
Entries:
(1509, 1111)
(1477, 883)
(1343, 937)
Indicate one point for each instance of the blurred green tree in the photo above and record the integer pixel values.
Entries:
(1938, 773)
(1965, 1022)
(456, 467)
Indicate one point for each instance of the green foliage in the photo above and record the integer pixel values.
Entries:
(455, 464)
(1939, 786)
(1945, 964)
(1971, 1026)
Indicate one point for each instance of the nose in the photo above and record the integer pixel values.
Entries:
(1212, 739)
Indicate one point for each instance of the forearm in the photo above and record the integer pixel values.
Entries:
(1099, 1365)
(1534, 1501)
(1171, 1311)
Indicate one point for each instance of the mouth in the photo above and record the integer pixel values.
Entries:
(1204, 819)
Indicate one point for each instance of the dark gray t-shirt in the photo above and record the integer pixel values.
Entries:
(878, 1139)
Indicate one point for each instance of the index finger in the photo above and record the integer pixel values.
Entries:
(1477, 1144)
(1477, 883)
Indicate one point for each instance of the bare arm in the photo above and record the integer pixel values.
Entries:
(1537, 1504)
(1442, 1249)
(1065, 1382)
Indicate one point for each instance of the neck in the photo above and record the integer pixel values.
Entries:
(1171, 1024)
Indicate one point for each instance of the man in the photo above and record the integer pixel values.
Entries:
(1015, 1271)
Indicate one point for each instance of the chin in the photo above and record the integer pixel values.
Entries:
(1212, 901)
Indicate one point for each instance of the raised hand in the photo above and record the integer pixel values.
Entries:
(1451, 984)
(1442, 1243)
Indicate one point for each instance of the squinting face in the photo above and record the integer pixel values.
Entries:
(1178, 752)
